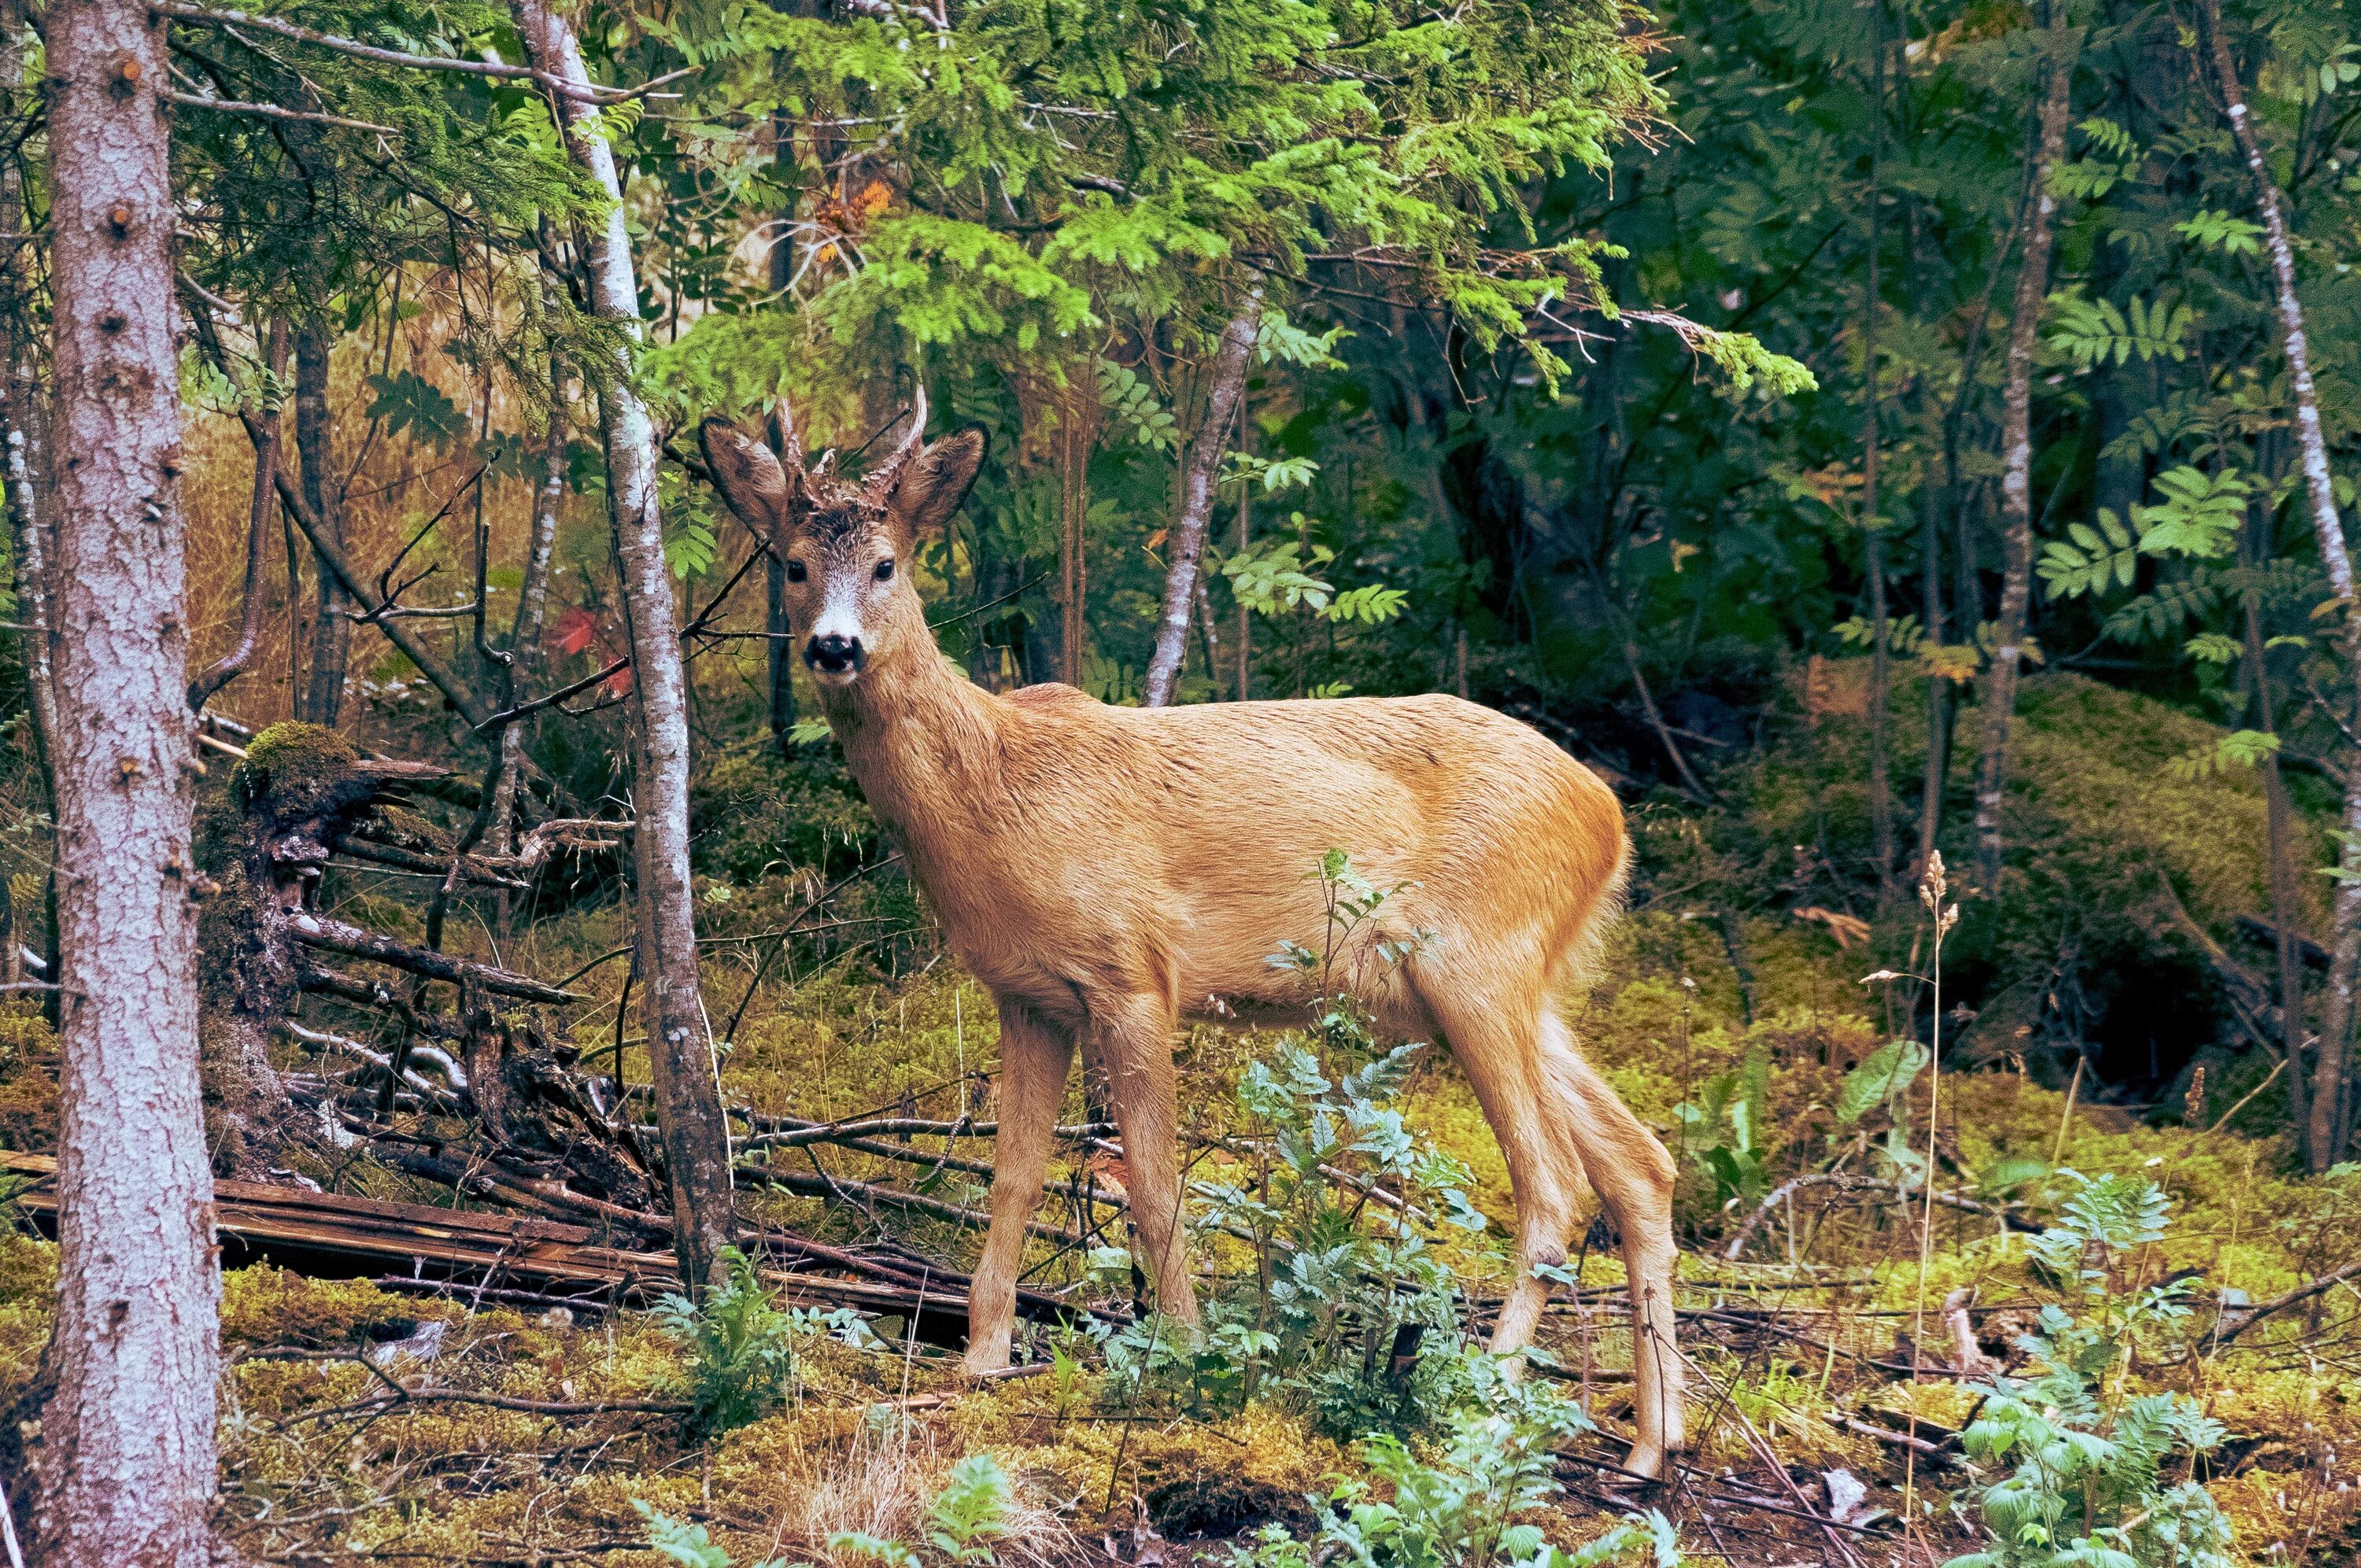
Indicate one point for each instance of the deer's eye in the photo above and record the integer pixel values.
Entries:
(886, 570)
(797, 570)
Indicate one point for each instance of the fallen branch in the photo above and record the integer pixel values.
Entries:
(1847, 1183)
(2247, 1319)
(335, 937)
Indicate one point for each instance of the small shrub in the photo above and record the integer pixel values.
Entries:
(1465, 1507)
(740, 1347)
(2088, 1489)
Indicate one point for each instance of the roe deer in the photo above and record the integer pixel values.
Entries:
(1108, 871)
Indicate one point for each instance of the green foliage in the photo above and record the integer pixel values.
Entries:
(1464, 1504)
(1726, 1126)
(690, 1545)
(740, 1347)
(965, 1519)
(2089, 1485)
(2093, 332)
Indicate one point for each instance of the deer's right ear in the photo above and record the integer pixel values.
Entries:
(748, 476)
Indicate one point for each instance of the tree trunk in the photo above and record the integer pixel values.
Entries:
(2332, 1109)
(127, 1466)
(1187, 541)
(2254, 546)
(324, 492)
(524, 633)
(1077, 420)
(23, 419)
(1880, 650)
(258, 537)
(680, 1052)
(2016, 458)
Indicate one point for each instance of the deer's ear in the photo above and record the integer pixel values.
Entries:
(938, 480)
(748, 474)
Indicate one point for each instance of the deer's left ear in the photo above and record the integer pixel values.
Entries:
(938, 480)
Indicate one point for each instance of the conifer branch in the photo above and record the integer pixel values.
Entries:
(591, 93)
(274, 111)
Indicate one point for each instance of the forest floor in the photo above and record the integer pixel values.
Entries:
(1820, 1299)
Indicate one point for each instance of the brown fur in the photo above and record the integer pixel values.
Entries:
(1109, 871)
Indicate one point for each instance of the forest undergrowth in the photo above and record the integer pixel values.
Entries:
(2102, 1342)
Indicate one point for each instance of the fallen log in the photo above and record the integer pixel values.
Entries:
(332, 1235)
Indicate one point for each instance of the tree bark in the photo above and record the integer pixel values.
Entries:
(324, 492)
(1077, 419)
(2330, 1112)
(127, 1466)
(1880, 649)
(258, 541)
(2016, 457)
(1187, 541)
(23, 417)
(680, 1052)
(523, 653)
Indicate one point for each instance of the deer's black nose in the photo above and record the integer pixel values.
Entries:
(834, 654)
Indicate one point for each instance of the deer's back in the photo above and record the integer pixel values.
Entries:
(1187, 839)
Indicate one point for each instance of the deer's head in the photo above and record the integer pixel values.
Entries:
(846, 545)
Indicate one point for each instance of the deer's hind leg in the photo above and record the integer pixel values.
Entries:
(1035, 1056)
(1130, 1036)
(1633, 1176)
(1496, 1042)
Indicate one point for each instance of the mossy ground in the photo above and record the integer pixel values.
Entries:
(863, 1015)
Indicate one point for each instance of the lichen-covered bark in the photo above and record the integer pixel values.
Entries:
(2329, 1124)
(128, 1466)
(2016, 458)
(1188, 540)
(680, 1051)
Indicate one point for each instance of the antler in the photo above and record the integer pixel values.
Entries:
(889, 472)
(784, 442)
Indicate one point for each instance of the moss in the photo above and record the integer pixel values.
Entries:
(291, 767)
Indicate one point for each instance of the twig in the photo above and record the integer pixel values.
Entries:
(236, 19)
(1849, 1183)
(2326, 1282)
(272, 112)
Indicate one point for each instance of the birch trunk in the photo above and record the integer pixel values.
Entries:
(680, 1051)
(2330, 1111)
(2016, 460)
(1188, 538)
(324, 492)
(22, 416)
(127, 1466)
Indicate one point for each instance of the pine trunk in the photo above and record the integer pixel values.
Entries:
(324, 492)
(680, 1052)
(1187, 541)
(2330, 1117)
(127, 1466)
(2016, 462)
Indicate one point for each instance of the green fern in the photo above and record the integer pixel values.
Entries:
(2090, 556)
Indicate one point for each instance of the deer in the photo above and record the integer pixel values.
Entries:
(1109, 873)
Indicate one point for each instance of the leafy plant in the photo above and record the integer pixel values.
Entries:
(1465, 1506)
(1724, 1127)
(967, 1516)
(741, 1347)
(2089, 1485)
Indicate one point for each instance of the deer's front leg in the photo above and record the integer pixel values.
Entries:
(1132, 1036)
(1034, 1057)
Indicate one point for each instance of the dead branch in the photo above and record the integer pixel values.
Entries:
(1847, 1183)
(336, 936)
(2301, 1293)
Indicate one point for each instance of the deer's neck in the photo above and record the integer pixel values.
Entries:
(924, 744)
